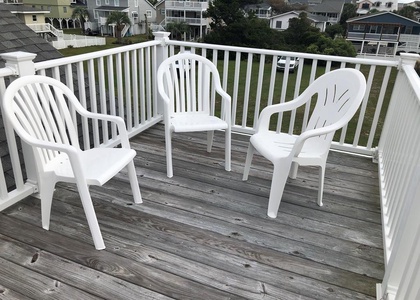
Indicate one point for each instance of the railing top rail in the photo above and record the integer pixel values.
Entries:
(4, 72)
(92, 55)
(377, 62)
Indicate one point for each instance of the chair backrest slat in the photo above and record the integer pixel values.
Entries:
(40, 110)
(188, 82)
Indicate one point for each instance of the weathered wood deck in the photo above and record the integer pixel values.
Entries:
(203, 234)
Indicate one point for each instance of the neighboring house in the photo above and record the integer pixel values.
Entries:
(281, 22)
(190, 12)
(262, 10)
(28, 14)
(384, 34)
(60, 11)
(141, 13)
(364, 6)
(331, 9)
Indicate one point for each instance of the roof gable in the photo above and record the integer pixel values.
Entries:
(384, 17)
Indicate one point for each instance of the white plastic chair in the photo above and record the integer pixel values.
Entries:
(185, 83)
(339, 94)
(37, 109)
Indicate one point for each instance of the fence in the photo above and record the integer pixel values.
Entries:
(77, 41)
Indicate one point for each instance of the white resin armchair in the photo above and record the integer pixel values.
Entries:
(37, 109)
(185, 83)
(339, 94)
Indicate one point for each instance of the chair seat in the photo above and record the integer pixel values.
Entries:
(99, 164)
(196, 122)
(274, 146)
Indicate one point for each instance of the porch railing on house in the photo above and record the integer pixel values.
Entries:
(46, 28)
(122, 81)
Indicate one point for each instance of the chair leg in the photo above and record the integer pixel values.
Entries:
(321, 184)
(168, 143)
(278, 182)
(210, 136)
(293, 170)
(134, 183)
(228, 150)
(91, 216)
(46, 191)
(249, 155)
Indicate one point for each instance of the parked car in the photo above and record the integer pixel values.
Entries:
(293, 63)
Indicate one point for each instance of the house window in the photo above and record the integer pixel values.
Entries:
(64, 9)
(106, 2)
(98, 3)
(278, 24)
(116, 2)
(162, 12)
(374, 29)
(148, 13)
(389, 4)
(357, 27)
(409, 30)
(136, 3)
(95, 14)
(365, 6)
(34, 18)
(377, 4)
(134, 14)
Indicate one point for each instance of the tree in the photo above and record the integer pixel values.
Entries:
(178, 29)
(231, 26)
(408, 12)
(120, 20)
(349, 11)
(82, 14)
(334, 30)
(301, 33)
(327, 46)
(280, 6)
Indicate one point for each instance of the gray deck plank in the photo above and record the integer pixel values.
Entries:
(204, 233)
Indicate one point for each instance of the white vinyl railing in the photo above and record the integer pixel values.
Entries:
(256, 70)
(399, 170)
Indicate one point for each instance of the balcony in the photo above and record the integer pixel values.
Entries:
(360, 36)
(204, 233)
(186, 5)
(190, 21)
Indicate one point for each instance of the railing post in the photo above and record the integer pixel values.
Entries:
(408, 59)
(161, 55)
(22, 63)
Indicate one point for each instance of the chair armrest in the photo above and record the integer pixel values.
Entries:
(267, 112)
(300, 141)
(122, 130)
(227, 102)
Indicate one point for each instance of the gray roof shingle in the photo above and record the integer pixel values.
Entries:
(16, 36)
